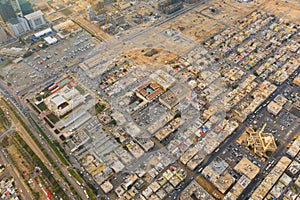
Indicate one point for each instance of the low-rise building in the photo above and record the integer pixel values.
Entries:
(294, 148)
(173, 96)
(297, 80)
(247, 168)
(163, 79)
(64, 100)
(262, 190)
(274, 108)
(106, 187)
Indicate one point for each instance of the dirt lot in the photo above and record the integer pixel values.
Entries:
(225, 12)
(19, 75)
(157, 59)
(25, 169)
(196, 26)
(288, 10)
(209, 19)
(210, 188)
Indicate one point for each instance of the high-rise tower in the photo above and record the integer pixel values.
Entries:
(7, 12)
(25, 7)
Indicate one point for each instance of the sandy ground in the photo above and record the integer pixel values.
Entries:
(158, 59)
(196, 26)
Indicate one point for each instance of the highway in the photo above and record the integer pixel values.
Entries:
(23, 188)
(61, 166)
(35, 148)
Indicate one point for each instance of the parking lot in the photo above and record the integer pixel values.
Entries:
(234, 153)
(49, 62)
(149, 115)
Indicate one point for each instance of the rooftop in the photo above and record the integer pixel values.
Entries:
(34, 15)
(247, 168)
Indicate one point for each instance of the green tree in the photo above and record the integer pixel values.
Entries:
(255, 73)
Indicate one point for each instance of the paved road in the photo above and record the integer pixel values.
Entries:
(237, 133)
(23, 188)
(53, 156)
(144, 31)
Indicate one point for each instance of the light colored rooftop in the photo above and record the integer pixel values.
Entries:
(58, 100)
(34, 15)
(247, 168)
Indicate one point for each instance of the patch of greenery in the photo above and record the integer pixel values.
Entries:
(4, 122)
(53, 146)
(81, 180)
(42, 106)
(235, 86)
(5, 142)
(53, 118)
(100, 107)
(27, 54)
(80, 90)
(255, 73)
(66, 11)
(29, 155)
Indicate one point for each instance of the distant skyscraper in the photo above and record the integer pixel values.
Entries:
(19, 26)
(91, 13)
(25, 7)
(97, 5)
(7, 12)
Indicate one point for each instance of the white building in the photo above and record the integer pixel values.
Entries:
(50, 40)
(64, 100)
(18, 26)
(36, 19)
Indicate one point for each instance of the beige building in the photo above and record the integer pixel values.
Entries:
(274, 108)
(64, 100)
(163, 79)
(261, 142)
(261, 191)
(247, 168)
(172, 97)
(297, 80)
(98, 6)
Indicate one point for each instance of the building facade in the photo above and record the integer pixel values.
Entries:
(36, 19)
(19, 26)
(3, 35)
(7, 12)
(25, 7)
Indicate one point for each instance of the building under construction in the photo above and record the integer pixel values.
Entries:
(170, 6)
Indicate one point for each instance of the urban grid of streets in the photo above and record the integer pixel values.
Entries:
(139, 103)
